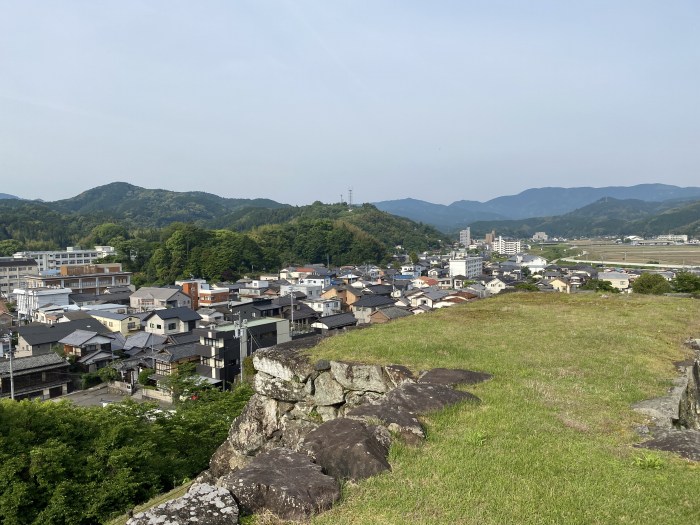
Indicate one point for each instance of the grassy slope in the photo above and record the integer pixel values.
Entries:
(552, 441)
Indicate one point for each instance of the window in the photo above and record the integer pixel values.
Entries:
(172, 326)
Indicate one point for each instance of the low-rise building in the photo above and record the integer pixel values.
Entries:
(42, 376)
(13, 272)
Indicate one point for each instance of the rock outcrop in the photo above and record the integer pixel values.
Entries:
(676, 416)
(310, 425)
(202, 504)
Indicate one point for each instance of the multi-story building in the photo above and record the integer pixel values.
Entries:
(222, 349)
(506, 246)
(53, 260)
(86, 278)
(465, 237)
(13, 272)
(469, 267)
(540, 236)
(149, 298)
(30, 299)
(673, 238)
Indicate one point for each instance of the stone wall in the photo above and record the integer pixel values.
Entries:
(309, 426)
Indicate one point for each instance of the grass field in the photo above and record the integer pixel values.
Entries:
(675, 254)
(552, 442)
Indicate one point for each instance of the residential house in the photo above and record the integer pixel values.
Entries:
(150, 298)
(171, 320)
(210, 316)
(123, 323)
(619, 280)
(325, 307)
(494, 285)
(389, 313)
(427, 297)
(81, 343)
(37, 338)
(35, 377)
(366, 305)
(334, 322)
(424, 282)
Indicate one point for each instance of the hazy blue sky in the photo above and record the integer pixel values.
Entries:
(300, 100)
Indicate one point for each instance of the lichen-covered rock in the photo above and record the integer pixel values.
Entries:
(354, 376)
(421, 398)
(689, 409)
(398, 374)
(348, 449)
(452, 377)
(295, 430)
(288, 364)
(203, 503)
(665, 411)
(255, 426)
(355, 399)
(327, 391)
(279, 389)
(225, 459)
(395, 418)
(327, 413)
(284, 482)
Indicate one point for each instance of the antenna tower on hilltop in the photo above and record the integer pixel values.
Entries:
(350, 197)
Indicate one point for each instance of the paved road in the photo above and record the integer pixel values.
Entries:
(627, 263)
(98, 396)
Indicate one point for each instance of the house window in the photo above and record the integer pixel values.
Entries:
(171, 326)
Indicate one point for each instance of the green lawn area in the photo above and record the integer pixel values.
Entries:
(552, 441)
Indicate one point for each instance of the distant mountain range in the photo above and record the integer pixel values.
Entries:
(537, 202)
(7, 196)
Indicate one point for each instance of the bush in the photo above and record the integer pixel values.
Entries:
(89, 379)
(144, 376)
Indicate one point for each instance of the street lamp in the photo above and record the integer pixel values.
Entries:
(10, 352)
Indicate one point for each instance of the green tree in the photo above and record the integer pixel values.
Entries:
(599, 286)
(651, 283)
(686, 282)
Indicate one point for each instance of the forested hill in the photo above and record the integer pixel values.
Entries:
(607, 217)
(162, 236)
(154, 207)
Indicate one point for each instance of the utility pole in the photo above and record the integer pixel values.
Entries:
(12, 377)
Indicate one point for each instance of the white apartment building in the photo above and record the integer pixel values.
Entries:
(506, 247)
(29, 299)
(673, 238)
(469, 267)
(465, 237)
(540, 236)
(53, 260)
(12, 272)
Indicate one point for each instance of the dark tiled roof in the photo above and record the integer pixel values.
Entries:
(183, 313)
(338, 321)
(20, 364)
(373, 301)
(394, 312)
(174, 353)
(37, 334)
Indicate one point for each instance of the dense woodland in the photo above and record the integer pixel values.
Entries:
(65, 465)
(222, 239)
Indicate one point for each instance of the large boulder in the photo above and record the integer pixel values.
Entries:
(327, 391)
(354, 376)
(284, 363)
(225, 459)
(279, 389)
(421, 398)
(348, 449)
(203, 503)
(395, 418)
(453, 376)
(284, 482)
(398, 374)
(255, 426)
